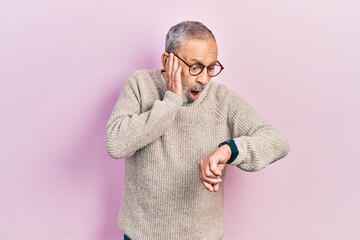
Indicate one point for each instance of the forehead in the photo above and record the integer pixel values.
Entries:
(203, 50)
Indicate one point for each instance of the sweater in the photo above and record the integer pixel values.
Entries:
(163, 141)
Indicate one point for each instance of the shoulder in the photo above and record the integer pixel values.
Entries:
(144, 79)
(221, 93)
(146, 85)
(225, 100)
(142, 75)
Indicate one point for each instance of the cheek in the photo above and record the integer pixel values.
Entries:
(187, 79)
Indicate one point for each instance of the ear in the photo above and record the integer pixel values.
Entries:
(164, 58)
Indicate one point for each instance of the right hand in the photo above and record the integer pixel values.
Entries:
(210, 168)
(173, 75)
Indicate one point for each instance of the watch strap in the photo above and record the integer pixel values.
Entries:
(234, 150)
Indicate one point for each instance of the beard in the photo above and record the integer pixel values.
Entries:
(191, 93)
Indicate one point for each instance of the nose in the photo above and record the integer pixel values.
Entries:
(203, 78)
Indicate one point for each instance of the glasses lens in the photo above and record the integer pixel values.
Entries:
(195, 69)
(214, 70)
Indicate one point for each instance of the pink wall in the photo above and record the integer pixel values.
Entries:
(62, 64)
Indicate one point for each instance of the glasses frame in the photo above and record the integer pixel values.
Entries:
(203, 66)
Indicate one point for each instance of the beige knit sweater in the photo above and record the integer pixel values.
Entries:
(163, 142)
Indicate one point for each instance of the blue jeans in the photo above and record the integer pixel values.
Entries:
(126, 237)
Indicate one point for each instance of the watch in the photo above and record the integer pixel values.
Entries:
(234, 150)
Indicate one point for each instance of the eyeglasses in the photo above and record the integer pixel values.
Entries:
(197, 68)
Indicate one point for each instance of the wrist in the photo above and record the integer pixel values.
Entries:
(226, 151)
(233, 150)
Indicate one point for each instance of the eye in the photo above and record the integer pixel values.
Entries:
(195, 67)
(211, 68)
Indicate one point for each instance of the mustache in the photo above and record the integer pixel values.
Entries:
(198, 88)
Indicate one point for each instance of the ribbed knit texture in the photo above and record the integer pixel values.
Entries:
(163, 141)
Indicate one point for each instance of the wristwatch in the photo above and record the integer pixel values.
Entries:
(234, 150)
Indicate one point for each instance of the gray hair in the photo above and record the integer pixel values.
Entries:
(183, 31)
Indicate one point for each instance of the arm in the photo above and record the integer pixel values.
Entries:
(128, 129)
(258, 145)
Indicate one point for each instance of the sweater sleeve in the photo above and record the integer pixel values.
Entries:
(129, 129)
(258, 142)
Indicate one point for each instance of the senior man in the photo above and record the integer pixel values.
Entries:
(178, 130)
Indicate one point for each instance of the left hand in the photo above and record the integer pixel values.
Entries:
(172, 75)
(210, 168)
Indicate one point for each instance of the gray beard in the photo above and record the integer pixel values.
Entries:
(186, 91)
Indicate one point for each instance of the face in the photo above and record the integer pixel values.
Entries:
(193, 51)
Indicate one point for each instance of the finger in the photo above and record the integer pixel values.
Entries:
(173, 70)
(204, 177)
(210, 163)
(170, 65)
(178, 74)
(214, 168)
(167, 72)
(202, 169)
(208, 186)
(200, 174)
(216, 187)
(178, 78)
(212, 179)
(208, 173)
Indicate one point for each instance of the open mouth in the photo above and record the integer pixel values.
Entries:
(194, 94)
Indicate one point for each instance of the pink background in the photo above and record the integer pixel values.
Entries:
(62, 64)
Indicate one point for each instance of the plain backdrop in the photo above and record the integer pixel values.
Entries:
(63, 63)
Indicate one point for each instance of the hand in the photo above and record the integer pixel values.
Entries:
(210, 168)
(173, 75)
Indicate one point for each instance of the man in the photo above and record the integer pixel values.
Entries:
(178, 131)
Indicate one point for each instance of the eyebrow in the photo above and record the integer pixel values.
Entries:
(197, 61)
